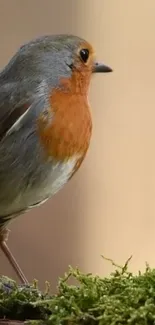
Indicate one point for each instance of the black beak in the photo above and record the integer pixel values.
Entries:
(101, 67)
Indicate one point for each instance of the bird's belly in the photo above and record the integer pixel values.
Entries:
(55, 178)
(49, 179)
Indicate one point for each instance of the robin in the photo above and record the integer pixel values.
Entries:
(45, 123)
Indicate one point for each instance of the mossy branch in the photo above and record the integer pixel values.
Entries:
(120, 298)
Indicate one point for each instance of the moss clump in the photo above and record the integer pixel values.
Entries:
(121, 298)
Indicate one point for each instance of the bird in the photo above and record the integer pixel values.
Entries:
(45, 123)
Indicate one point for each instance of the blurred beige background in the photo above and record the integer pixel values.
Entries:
(109, 206)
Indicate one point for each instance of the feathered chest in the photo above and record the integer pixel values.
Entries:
(65, 128)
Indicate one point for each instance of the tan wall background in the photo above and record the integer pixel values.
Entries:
(109, 207)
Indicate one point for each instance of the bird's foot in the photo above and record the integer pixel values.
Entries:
(4, 234)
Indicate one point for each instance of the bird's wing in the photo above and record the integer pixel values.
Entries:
(12, 106)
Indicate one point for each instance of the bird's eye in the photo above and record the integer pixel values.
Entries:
(84, 54)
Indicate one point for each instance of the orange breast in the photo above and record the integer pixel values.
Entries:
(69, 131)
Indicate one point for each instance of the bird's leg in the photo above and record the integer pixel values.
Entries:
(4, 247)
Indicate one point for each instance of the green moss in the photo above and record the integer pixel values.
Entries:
(121, 298)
